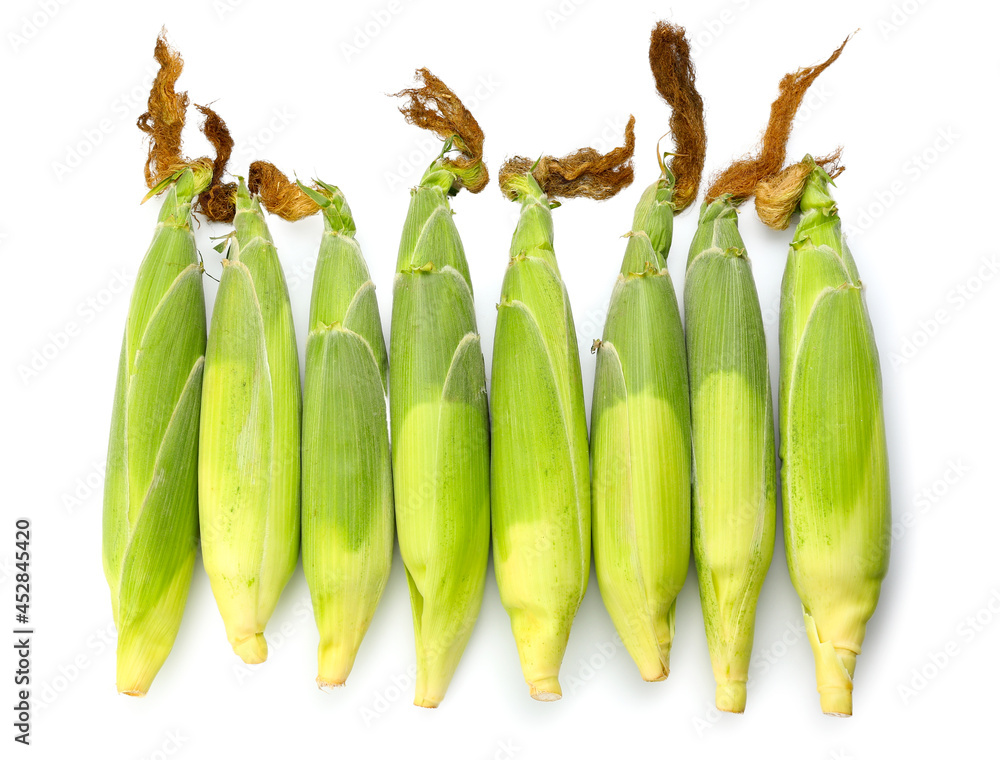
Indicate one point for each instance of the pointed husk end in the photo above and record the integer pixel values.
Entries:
(251, 649)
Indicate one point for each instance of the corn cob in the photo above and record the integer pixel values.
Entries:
(733, 434)
(835, 476)
(541, 468)
(731, 413)
(150, 496)
(248, 467)
(347, 520)
(640, 424)
(439, 413)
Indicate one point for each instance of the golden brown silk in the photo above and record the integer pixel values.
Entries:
(279, 194)
(435, 107)
(743, 176)
(776, 198)
(673, 71)
(584, 173)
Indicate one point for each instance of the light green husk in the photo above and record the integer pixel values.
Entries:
(150, 496)
(541, 469)
(440, 433)
(248, 466)
(733, 435)
(641, 442)
(347, 515)
(835, 475)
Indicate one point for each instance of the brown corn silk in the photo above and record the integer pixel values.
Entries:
(741, 178)
(585, 172)
(435, 107)
(673, 71)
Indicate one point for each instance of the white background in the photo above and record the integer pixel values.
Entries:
(912, 99)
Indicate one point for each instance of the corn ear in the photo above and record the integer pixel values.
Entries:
(835, 476)
(150, 497)
(641, 443)
(541, 468)
(733, 436)
(347, 519)
(440, 435)
(248, 466)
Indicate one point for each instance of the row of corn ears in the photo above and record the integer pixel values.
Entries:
(206, 441)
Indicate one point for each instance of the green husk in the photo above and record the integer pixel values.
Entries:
(733, 434)
(248, 468)
(150, 529)
(347, 511)
(540, 473)
(440, 432)
(641, 442)
(641, 419)
(835, 476)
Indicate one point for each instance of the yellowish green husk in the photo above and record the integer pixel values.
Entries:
(248, 467)
(641, 443)
(733, 432)
(440, 433)
(835, 475)
(347, 512)
(540, 468)
(150, 522)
